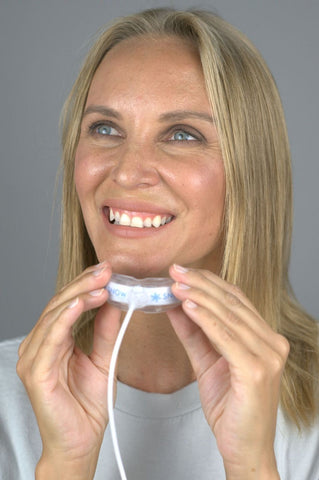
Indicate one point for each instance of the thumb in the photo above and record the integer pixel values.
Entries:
(107, 325)
(198, 347)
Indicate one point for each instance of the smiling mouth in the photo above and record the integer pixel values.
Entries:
(126, 218)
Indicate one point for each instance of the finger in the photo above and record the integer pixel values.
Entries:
(241, 353)
(199, 349)
(92, 280)
(107, 324)
(32, 342)
(229, 304)
(30, 351)
(238, 320)
(46, 329)
(58, 339)
(54, 346)
(233, 316)
(224, 291)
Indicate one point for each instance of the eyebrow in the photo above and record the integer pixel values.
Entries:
(175, 116)
(179, 115)
(106, 111)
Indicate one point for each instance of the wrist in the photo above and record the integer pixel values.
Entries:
(253, 475)
(260, 467)
(267, 471)
(51, 469)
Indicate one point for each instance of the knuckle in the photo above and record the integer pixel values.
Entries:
(277, 363)
(20, 368)
(262, 371)
(206, 274)
(23, 372)
(53, 302)
(21, 348)
(284, 346)
(46, 320)
(232, 299)
(232, 318)
(235, 290)
(226, 334)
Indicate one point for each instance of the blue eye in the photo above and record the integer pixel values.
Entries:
(106, 130)
(182, 136)
(103, 130)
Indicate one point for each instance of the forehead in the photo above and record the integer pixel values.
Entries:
(150, 66)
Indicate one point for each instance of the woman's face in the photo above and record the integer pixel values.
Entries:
(148, 169)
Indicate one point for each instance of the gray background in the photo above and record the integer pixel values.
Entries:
(42, 43)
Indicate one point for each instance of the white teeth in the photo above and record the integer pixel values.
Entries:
(125, 220)
(137, 222)
(156, 221)
(147, 222)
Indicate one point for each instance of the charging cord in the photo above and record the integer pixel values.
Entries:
(110, 389)
(151, 295)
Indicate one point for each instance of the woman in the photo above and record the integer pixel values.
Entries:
(176, 163)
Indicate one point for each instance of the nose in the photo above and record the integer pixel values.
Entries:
(135, 168)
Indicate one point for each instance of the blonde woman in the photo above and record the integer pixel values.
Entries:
(176, 163)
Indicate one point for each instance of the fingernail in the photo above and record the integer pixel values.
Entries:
(190, 304)
(182, 286)
(101, 264)
(98, 272)
(74, 303)
(96, 293)
(180, 269)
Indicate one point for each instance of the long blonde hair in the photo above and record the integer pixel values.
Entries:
(258, 205)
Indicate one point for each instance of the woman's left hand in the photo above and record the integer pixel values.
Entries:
(238, 361)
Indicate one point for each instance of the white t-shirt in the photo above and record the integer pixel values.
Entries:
(161, 437)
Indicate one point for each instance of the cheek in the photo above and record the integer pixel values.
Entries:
(79, 175)
(87, 172)
(207, 190)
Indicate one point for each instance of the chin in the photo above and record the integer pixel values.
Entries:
(137, 267)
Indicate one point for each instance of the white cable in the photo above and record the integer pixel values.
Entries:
(152, 295)
(110, 389)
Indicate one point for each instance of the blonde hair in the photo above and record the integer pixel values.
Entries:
(258, 204)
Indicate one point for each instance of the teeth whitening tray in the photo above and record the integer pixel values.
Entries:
(151, 295)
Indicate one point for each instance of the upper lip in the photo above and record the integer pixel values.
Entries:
(137, 206)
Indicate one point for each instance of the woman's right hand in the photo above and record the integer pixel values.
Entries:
(68, 389)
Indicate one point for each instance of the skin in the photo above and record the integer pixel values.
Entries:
(140, 160)
(216, 336)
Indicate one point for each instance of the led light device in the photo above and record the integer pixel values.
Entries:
(151, 295)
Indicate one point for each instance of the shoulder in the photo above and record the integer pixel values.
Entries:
(13, 396)
(9, 352)
(11, 385)
(8, 359)
(297, 450)
(20, 439)
(9, 348)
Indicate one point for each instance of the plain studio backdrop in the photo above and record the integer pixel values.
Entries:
(42, 44)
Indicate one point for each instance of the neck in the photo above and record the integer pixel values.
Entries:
(151, 356)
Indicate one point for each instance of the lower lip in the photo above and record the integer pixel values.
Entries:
(132, 232)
